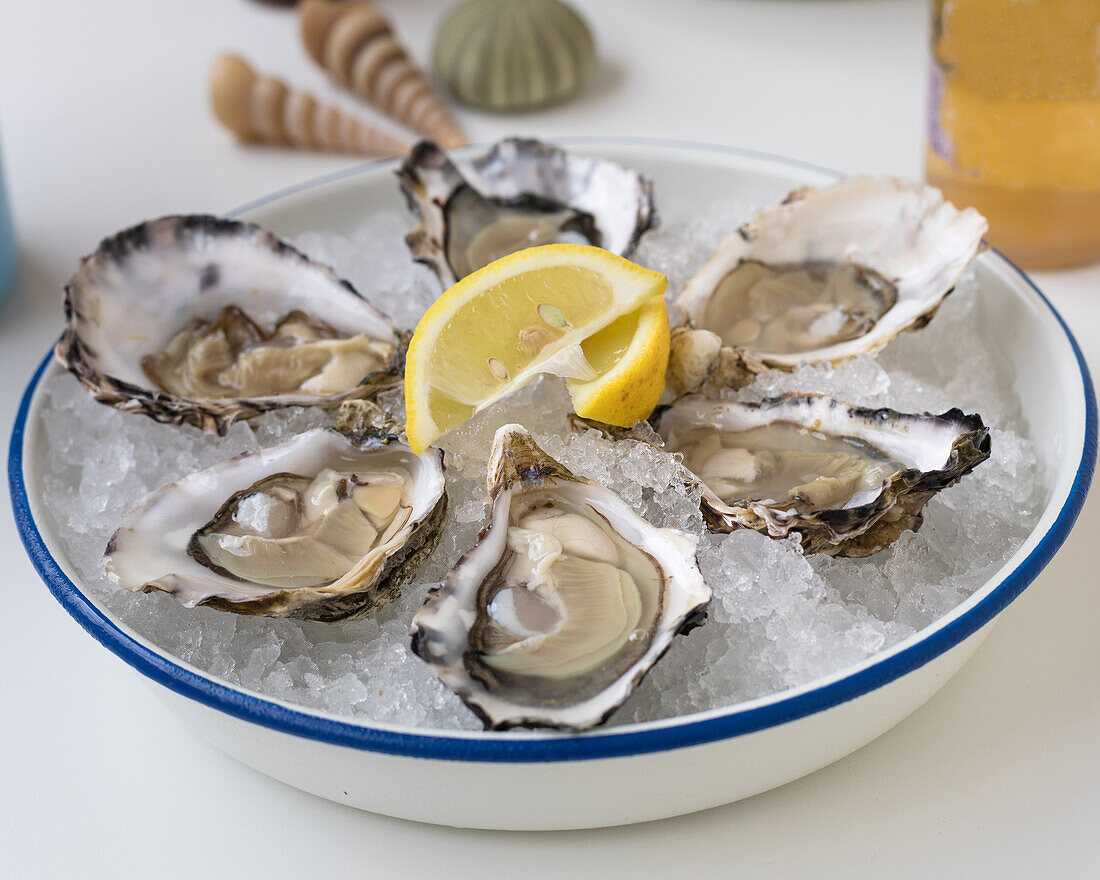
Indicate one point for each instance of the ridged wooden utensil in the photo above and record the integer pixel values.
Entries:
(354, 42)
(263, 109)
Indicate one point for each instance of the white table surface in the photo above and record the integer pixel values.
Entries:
(103, 122)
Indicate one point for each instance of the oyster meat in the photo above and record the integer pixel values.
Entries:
(564, 604)
(848, 480)
(324, 526)
(234, 357)
(200, 320)
(522, 193)
(830, 274)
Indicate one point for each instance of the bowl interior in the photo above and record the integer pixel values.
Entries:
(691, 179)
(1048, 375)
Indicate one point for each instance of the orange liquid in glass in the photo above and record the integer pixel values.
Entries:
(1014, 122)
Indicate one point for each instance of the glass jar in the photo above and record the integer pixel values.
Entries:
(1014, 122)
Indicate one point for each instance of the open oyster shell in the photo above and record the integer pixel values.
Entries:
(325, 526)
(830, 274)
(520, 194)
(201, 320)
(848, 480)
(564, 604)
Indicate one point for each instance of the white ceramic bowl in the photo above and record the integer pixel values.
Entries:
(637, 772)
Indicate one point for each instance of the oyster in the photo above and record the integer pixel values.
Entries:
(325, 526)
(520, 194)
(848, 480)
(829, 274)
(564, 604)
(200, 320)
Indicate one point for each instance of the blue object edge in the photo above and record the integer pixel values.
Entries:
(504, 748)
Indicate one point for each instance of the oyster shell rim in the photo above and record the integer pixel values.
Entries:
(845, 531)
(422, 532)
(734, 366)
(210, 415)
(511, 468)
(427, 242)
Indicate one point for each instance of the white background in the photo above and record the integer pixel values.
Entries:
(103, 122)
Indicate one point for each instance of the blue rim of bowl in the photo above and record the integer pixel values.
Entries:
(551, 748)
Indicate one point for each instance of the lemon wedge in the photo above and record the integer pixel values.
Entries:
(630, 357)
(575, 311)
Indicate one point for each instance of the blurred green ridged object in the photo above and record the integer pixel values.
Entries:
(513, 55)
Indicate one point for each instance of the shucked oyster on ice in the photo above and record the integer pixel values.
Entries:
(848, 480)
(564, 604)
(830, 274)
(325, 526)
(522, 193)
(201, 320)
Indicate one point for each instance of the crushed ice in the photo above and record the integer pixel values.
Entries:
(779, 619)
